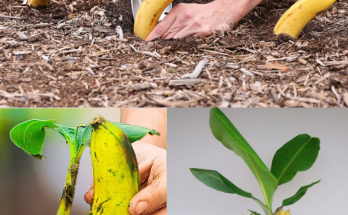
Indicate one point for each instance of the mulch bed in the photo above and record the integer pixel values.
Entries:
(70, 54)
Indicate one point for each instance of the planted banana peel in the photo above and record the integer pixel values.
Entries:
(297, 17)
(115, 169)
(147, 16)
(281, 212)
(37, 3)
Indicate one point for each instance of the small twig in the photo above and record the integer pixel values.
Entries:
(10, 17)
(151, 54)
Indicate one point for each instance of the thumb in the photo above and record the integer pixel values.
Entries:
(89, 195)
(151, 198)
(162, 27)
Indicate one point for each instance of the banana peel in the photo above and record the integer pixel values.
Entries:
(37, 3)
(147, 16)
(115, 169)
(297, 17)
(281, 212)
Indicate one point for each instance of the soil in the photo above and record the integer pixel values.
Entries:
(69, 54)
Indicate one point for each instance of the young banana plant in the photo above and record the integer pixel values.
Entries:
(30, 137)
(299, 154)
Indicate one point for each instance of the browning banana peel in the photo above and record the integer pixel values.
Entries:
(297, 17)
(115, 169)
(281, 212)
(38, 3)
(147, 16)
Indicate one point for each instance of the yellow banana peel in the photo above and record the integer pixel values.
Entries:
(281, 212)
(37, 3)
(115, 169)
(297, 17)
(147, 16)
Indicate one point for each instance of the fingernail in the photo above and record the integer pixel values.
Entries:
(141, 208)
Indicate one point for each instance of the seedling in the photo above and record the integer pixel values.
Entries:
(30, 137)
(299, 154)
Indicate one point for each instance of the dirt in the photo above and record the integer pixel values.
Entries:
(89, 66)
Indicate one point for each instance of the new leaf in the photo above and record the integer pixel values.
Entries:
(300, 193)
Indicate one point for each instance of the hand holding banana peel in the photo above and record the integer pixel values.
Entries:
(152, 197)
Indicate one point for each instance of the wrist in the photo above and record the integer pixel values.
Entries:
(235, 10)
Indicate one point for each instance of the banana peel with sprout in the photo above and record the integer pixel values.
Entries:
(299, 15)
(115, 169)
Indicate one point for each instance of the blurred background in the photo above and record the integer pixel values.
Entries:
(32, 186)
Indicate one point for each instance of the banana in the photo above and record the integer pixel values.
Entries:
(297, 17)
(147, 16)
(37, 3)
(281, 212)
(115, 169)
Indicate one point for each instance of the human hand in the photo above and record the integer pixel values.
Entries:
(152, 197)
(202, 19)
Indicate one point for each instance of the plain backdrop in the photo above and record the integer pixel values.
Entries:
(191, 144)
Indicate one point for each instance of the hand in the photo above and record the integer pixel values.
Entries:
(202, 19)
(152, 197)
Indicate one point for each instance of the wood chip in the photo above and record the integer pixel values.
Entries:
(184, 82)
(278, 66)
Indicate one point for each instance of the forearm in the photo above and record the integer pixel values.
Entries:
(235, 10)
(153, 118)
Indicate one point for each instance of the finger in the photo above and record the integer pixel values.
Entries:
(89, 195)
(162, 27)
(151, 198)
(174, 29)
(163, 211)
(147, 155)
(195, 29)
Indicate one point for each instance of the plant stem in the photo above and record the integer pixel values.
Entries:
(70, 182)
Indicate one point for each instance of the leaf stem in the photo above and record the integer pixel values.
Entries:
(69, 188)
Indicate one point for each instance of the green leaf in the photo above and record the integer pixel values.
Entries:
(300, 193)
(254, 212)
(133, 132)
(299, 154)
(30, 136)
(215, 180)
(67, 132)
(229, 136)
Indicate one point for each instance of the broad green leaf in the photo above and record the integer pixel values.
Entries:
(133, 132)
(299, 154)
(254, 212)
(30, 136)
(215, 180)
(229, 136)
(300, 193)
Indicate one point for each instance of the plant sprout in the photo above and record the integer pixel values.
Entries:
(30, 137)
(299, 154)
